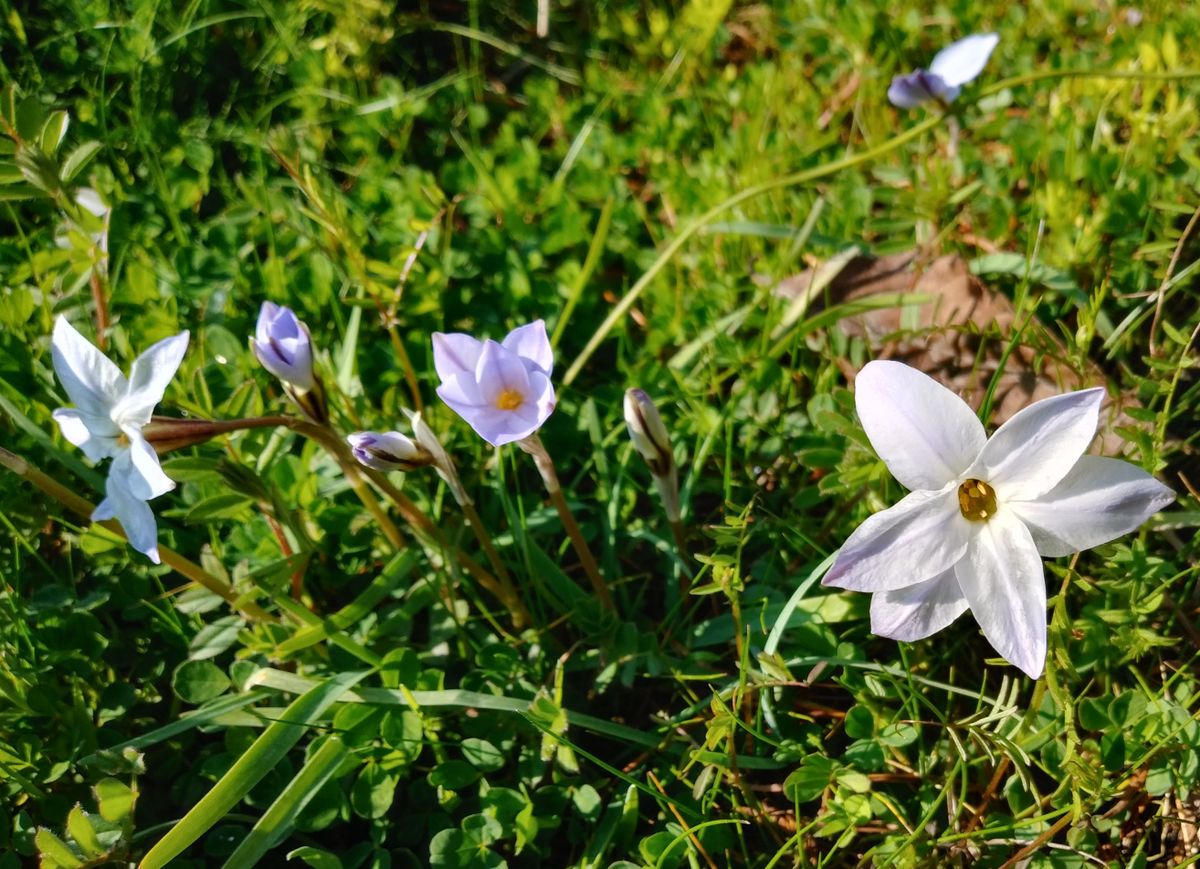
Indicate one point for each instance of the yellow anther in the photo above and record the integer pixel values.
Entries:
(976, 500)
(509, 399)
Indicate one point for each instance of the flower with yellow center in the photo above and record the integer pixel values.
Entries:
(982, 512)
(502, 389)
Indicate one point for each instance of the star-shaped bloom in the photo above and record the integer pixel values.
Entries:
(952, 67)
(982, 512)
(283, 346)
(502, 389)
(107, 421)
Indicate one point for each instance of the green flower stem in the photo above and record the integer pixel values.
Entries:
(545, 465)
(81, 506)
(421, 524)
(507, 591)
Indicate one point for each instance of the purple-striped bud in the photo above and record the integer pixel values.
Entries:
(388, 451)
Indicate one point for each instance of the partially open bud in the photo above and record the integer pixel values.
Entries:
(283, 346)
(648, 432)
(388, 451)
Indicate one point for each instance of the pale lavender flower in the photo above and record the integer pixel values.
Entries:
(502, 389)
(283, 346)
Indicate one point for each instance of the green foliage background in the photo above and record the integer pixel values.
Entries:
(319, 154)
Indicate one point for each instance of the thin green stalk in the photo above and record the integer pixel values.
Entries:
(545, 465)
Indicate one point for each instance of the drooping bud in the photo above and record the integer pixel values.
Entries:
(648, 432)
(283, 346)
(388, 451)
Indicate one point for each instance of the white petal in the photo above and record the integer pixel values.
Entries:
(148, 379)
(90, 378)
(95, 435)
(455, 353)
(143, 475)
(531, 342)
(962, 61)
(90, 200)
(925, 433)
(914, 540)
(1001, 577)
(135, 515)
(917, 611)
(1030, 453)
(1100, 500)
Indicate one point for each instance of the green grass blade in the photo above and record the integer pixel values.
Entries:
(259, 759)
(276, 823)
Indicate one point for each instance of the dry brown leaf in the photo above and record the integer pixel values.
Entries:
(957, 333)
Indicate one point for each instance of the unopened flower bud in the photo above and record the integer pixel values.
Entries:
(388, 451)
(283, 346)
(648, 432)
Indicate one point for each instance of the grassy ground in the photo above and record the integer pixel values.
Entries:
(444, 164)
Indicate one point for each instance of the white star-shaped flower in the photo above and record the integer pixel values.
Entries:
(107, 420)
(952, 67)
(502, 389)
(982, 512)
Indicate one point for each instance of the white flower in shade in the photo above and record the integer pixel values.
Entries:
(502, 389)
(954, 66)
(982, 512)
(107, 421)
(283, 346)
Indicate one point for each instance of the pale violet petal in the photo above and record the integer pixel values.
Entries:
(1030, 453)
(455, 354)
(908, 543)
(909, 91)
(917, 611)
(542, 393)
(148, 379)
(95, 435)
(136, 517)
(925, 433)
(500, 371)
(1098, 501)
(500, 427)
(266, 315)
(963, 61)
(1001, 577)
(531, 343)
(144, 477)
(90, 378)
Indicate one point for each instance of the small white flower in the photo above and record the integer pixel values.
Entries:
(107, 420)
(982, 511)
(954, 66)
(283, 346)
(503, 389)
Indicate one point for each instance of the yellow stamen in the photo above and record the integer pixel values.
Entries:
(509, 399)
(976, 500)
